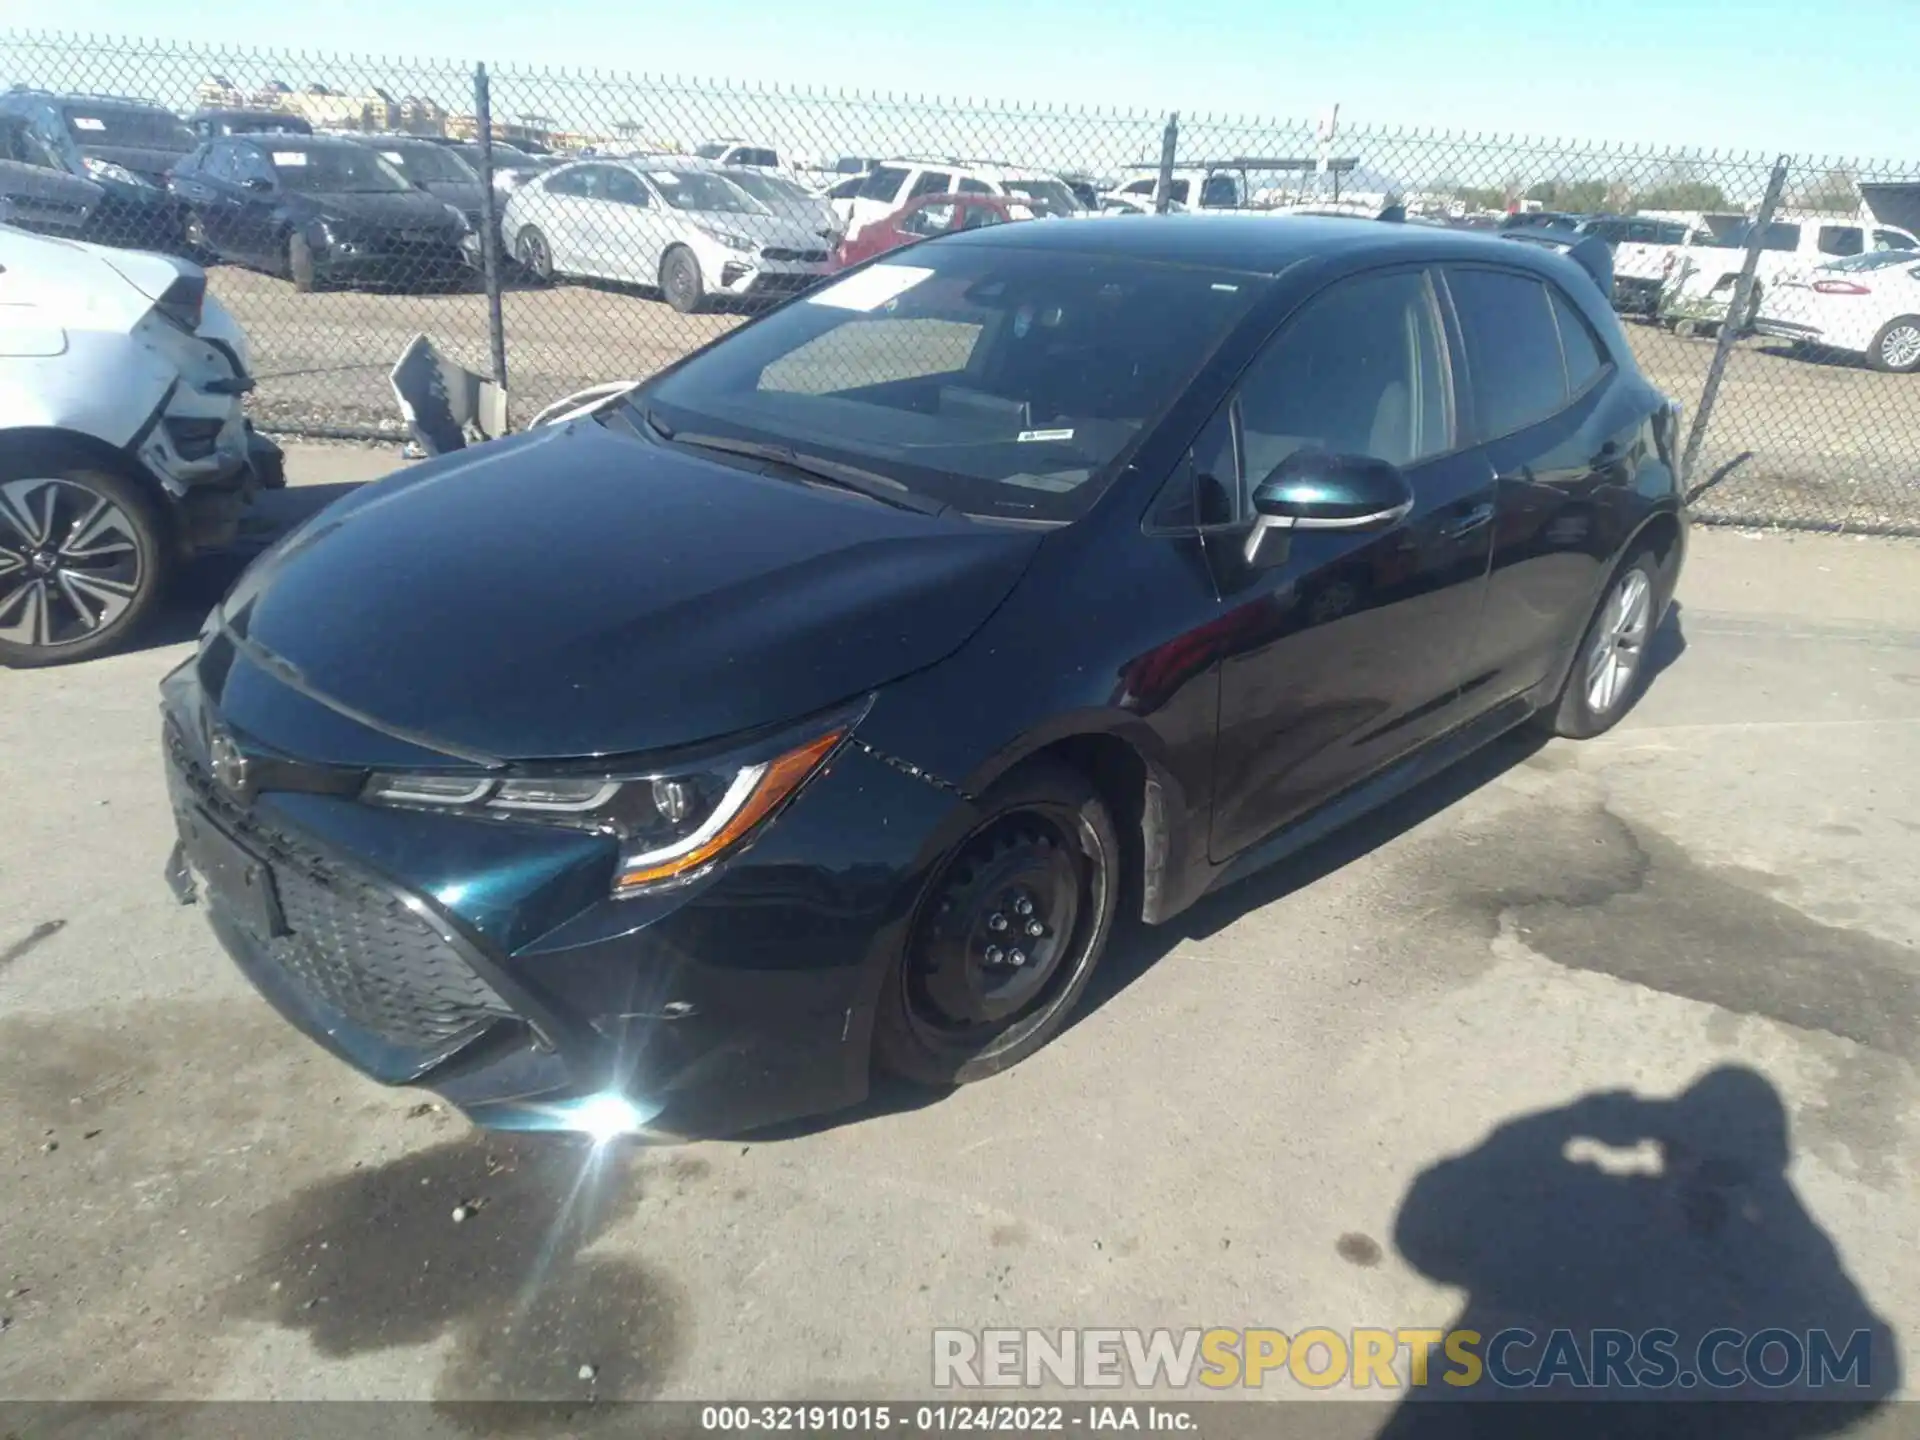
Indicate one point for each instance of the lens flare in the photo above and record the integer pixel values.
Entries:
(606, 1117)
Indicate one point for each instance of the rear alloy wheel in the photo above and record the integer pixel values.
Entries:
(1897, 347)
(1008, 933)
(81, 562)
(1611, 666)
(534, 255)
(680, 280)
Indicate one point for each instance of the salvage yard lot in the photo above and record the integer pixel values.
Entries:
(1791, 439)
(1226, 1137)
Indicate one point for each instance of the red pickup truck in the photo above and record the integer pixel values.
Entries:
(928, 215)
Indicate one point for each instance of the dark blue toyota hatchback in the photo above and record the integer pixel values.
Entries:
(818, 704)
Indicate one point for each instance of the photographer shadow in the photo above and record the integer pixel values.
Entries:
(1630, 1214)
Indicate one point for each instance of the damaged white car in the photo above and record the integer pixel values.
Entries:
(124, 447)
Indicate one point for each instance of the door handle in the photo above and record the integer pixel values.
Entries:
(1467, 522)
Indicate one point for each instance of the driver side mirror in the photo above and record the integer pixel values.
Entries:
(1313, 490)
(259, 184)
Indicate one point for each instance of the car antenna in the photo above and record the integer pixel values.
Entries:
(1394, 214)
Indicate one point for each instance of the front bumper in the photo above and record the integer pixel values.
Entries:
(392, 261)
(751, 276)
(488, 963)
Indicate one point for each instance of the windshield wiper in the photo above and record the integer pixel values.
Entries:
(869, 483)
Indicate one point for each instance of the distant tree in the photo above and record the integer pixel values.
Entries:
(1481, 197)
(1577, 196)
(1833, 193)
(1684, 195)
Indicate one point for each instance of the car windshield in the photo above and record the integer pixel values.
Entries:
(136, 129)
(503, 154)
(1045, 197)
(703, 190)
(335, 170)
(1002, 380)
(771, 191)
(430, 164)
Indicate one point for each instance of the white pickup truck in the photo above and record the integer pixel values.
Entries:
(1699, 286)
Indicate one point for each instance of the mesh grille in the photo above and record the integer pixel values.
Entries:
(355, 950)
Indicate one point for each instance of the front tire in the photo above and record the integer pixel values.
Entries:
(1896, 349)
(1610, 667)
(1007, 934)
(534, 256)
(300, 264)
(680, 280)
(83, 557)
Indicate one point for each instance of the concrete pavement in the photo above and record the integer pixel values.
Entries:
(1243, 1129)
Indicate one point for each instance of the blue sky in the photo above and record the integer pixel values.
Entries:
(1747, 74)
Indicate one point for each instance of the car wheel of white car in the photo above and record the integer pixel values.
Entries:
(82, 558)
(534, 255)
(1897, 346)
(680, 280)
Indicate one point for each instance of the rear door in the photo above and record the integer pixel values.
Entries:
(1351, 650)
(254, 236)
(207, 189)
(1560, 431)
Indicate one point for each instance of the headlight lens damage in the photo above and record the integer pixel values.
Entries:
(671, 824)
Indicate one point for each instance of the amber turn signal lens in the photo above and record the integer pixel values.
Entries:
(779, 778)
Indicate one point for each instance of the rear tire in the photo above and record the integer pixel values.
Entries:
(1610, 668)
(84, 557)
(680, 280)
(1896, 349)
(300, 264)
(1007, 934)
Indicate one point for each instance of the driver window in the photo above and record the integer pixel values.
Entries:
(1357, 371)
(929, 219)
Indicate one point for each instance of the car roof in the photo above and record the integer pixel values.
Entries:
(1254, 243)
(293, 140)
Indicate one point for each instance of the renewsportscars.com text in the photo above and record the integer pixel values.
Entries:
(1365, 1358)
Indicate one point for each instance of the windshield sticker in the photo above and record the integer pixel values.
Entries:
(870, 289)
(290, 157)
(1022, 322)
(663, 177)
(87, 122)
(1224, 289)
(1029, 436)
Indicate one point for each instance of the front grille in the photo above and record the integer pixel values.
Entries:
(804, 257)
(355, 949)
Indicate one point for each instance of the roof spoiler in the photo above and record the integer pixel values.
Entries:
(1591, 253)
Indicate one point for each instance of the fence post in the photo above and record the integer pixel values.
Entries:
(490, 225)
(1736, 313)
(1169, 147)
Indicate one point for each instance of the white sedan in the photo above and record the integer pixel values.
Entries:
(1867, 305)
(678, 224)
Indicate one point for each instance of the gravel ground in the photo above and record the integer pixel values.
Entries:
(1792, 442)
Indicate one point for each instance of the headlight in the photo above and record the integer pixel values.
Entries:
(732, 239)
(107, 170)
(671, 824)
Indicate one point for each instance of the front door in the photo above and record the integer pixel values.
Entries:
(1362, 638)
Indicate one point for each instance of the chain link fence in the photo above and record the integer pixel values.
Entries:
(1777, 297)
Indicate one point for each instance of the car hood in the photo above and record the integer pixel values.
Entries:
(36, 182)
(466, 196)
(575, 591)
(153, 164)
(399, 209)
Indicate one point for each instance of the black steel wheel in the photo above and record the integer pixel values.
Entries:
(83, 558)
(1007, 934)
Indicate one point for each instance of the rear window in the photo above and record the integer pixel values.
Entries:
(124, 125)
(1779, 236)
(1513, 348)
(1585, 356)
